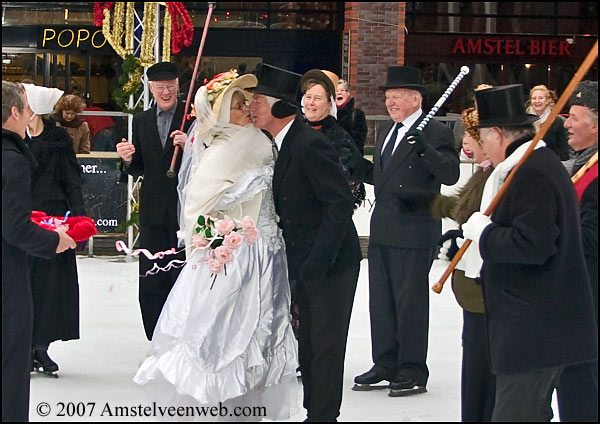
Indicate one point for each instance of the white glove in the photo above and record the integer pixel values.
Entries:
(475, 225)
(449, 248)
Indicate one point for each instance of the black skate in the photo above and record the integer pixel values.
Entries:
(368, 381)
(404, 387)
(43, 364)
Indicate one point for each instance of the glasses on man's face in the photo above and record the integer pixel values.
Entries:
(240, 106)
(161, 88)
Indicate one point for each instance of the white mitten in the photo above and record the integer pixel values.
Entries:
(475, 225)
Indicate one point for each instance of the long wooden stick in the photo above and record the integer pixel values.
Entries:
(171, 172)
(562, 101)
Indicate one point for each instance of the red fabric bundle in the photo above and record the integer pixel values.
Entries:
(81, 228)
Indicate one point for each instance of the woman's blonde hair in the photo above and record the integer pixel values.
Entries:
(550, 95)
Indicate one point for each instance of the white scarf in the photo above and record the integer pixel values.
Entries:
(471, 262)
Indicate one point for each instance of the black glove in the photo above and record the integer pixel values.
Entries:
(418, 139)
(449, 250)
(313, 270)
(81, 245)
(350, 156)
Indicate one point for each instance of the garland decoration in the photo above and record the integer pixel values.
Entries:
(130, 83)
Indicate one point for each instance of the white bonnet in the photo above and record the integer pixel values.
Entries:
(42, 99)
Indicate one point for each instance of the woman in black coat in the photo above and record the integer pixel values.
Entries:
(349, 117)
(56, 190)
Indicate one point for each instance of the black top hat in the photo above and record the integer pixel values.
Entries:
(321, 78)
(586, 95)
(502, 106)
(403, 77)
(278, 83)
(162, 71)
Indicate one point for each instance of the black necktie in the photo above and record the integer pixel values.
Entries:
(386, 155)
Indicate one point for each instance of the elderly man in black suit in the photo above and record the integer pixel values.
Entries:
(149, 155)
(408, 168)
(315, 207)
(20, 238)
(538, 303)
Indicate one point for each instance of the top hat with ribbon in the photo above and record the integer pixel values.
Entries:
(403, 77)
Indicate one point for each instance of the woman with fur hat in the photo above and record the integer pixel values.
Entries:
(478, 385)
(225, 335)
(55, 190)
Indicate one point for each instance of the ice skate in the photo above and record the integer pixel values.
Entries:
(405, 387)
(368, 381)
(43, 364)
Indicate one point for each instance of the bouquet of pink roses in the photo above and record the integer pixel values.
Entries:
(222, 237)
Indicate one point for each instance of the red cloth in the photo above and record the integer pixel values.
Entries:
(585, 181)
(97, 123)
(81, 228)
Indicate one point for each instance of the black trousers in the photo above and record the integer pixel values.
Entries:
(16, 361)
(478, 384)
(526, 396)
(154, 289)
(399, 309)
(577, 393)
(325, 309)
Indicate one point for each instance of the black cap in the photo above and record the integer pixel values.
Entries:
(162, 71)
(278, 83)
(502, 106)
(586, 95)
(404, 77)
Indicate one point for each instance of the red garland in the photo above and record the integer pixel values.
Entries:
(99, 11)
(180, 35)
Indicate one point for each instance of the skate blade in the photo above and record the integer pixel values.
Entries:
(369, 387)
(407, 392)
(46, 373)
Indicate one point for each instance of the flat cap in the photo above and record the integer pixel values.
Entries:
(162, 71)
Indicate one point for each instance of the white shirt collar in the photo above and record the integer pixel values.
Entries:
(410, 121)
(281, 135)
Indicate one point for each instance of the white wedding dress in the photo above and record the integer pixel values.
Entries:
(233, 343)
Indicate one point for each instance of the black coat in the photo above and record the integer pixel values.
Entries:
(158, 194)
(537, 297)
(55, 189)
(20, 237)
(314, 202)
(353, 120)
(405, 191)
(557, 140)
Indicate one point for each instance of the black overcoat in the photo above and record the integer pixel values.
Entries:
(405, 191)
(20, 237)
(158, 194)
(314, 202)
(537, 297)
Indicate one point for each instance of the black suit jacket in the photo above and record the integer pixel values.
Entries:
(405, 190)
(158, 194)
(314, 202)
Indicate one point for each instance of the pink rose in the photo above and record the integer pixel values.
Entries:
(224, 226)
(247, 222)
(215, 266)
(200, 241)
(223, 254)
(233, 240)
(251, 235)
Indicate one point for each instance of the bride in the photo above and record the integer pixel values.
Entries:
(226, 336)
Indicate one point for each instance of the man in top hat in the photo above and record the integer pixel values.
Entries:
(155, 133)
(315, 206)
(538, 302)
(408, 168)
(578, 386)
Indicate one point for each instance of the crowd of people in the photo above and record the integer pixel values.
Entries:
(267, 256)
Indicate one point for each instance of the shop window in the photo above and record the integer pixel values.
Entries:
(18, 67)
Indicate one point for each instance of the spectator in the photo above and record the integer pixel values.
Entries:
(350, 118)
(541, 101)
(65, 115)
